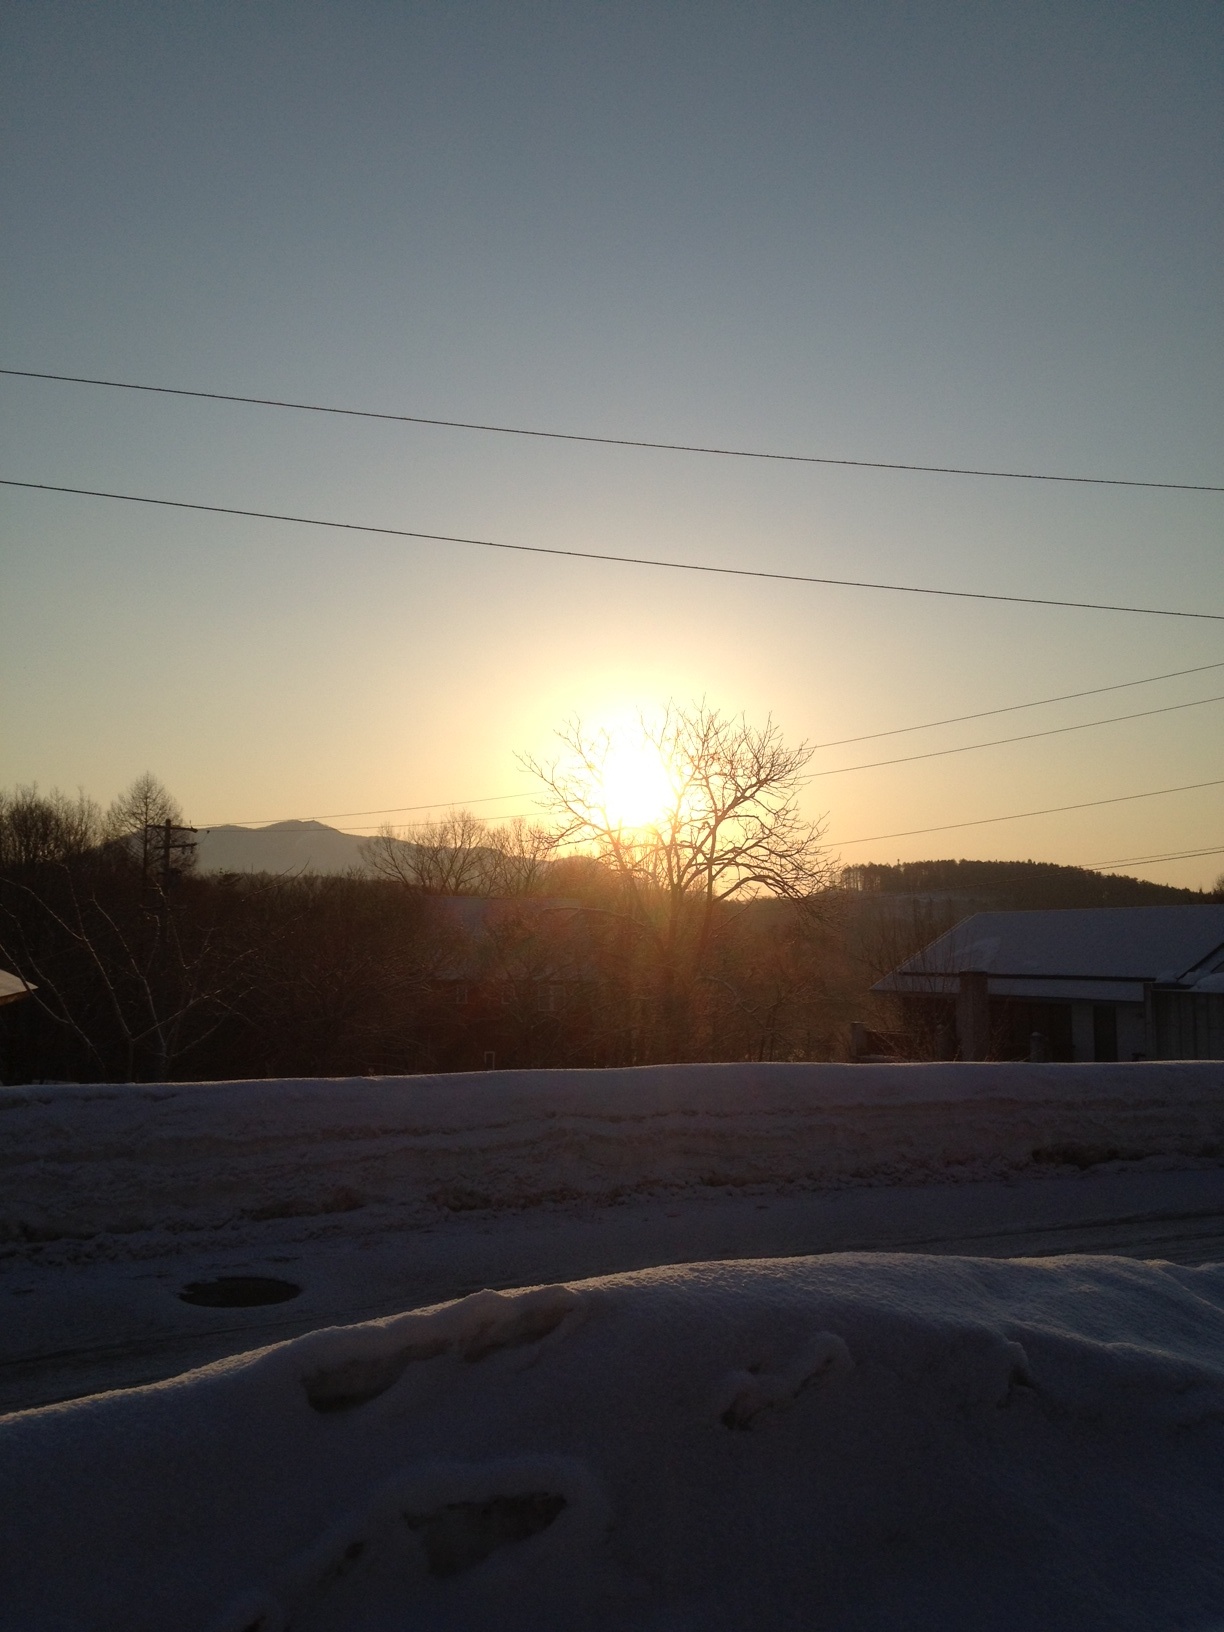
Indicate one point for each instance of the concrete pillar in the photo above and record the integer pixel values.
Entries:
(973, 1015)
(1083, 1042)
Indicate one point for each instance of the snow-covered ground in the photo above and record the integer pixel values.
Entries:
(718, 1430)
(80, 1163)
(115, 1320)
(841, 1442)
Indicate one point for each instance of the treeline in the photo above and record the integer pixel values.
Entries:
(144, 970)
(722, 932)
(1013, 886)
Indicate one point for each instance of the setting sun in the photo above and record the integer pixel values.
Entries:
(635, 788)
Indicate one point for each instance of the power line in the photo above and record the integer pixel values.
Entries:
(498, 798)
(622, 560)
(1020, 815)
(1012, 708)
(1180, 855)
(387, 810)
(522, 815)
(1124, 861)
(1027, 736)
(360, 831)
(837, 844)
(609, 441)
(1150, 861)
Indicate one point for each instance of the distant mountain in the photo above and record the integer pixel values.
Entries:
(285, 847)
(291, 847)
(1012, 886)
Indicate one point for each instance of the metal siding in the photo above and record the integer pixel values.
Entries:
(1189, 1025)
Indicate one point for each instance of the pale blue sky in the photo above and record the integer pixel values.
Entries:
(970, 234)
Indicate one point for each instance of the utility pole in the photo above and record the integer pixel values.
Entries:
(175, 840)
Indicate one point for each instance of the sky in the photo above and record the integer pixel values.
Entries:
(978, 235)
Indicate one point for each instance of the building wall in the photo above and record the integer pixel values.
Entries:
(1080, 1032)
(1108, 1031)
(1014, 1020)
(1188, 1025)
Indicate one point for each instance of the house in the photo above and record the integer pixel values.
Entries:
(508, 975)
(1092, 983)
(492, 947)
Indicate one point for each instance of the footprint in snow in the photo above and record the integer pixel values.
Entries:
(431, 1527)
(470, 1330)
(746, 1399)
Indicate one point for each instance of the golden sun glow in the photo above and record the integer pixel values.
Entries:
(635, 788)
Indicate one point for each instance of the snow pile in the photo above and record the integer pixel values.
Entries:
(76, 1161)
(846, 1442)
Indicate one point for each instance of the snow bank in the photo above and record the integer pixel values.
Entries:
(847, 1442)
(77, 1161)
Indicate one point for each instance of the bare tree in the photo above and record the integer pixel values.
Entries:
(731, 827)
(39, 828)
(112, 963)
(446, 857)
(146, 803)
(731, 830)
(147, 820)
(522, 858)
(129, 986)
(460, 855)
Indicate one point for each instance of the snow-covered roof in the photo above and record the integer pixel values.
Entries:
(12, 987)
(1086, 952)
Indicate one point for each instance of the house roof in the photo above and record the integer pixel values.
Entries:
(1107, 953)
(12, 987)
(511, 937)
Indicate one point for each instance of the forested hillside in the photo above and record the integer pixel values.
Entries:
(1013, 886)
